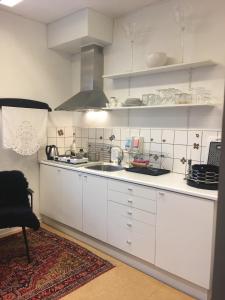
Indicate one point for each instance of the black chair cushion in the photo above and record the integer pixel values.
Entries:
(18, 217)
(13, 189)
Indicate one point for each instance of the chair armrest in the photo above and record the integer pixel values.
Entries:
(30, 195)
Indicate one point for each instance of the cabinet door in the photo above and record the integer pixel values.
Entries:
(71, 202)
(50, 192)
(184, 235)
(95, 206)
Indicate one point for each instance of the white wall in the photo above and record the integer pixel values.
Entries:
(203, 40)
(29, 70)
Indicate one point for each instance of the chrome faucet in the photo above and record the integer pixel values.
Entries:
(120, 157)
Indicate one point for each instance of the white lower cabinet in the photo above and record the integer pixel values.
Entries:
(168, 229)
(132, 230)
(184, 236)
(131, 218)
(95, 206)
(61, 195)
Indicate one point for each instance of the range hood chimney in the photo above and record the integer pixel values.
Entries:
(91, 95)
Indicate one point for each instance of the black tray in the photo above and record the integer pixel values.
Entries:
(148, 171)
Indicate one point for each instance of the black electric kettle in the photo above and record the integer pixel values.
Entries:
(51, 152)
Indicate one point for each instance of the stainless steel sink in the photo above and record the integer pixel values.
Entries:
(107, 168)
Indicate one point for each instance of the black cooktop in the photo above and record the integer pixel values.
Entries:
(148, 171)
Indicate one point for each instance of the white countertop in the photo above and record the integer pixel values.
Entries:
(170, 182)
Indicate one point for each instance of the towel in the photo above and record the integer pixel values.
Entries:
(24, 129)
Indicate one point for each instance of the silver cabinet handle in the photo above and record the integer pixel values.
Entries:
(130, 189)
(128, 242)
(130, 213)
(129, 225)
(130, 201)
(161, 194)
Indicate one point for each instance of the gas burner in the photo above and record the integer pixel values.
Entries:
(72, 159)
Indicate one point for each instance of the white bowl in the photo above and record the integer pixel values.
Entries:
(156, 59)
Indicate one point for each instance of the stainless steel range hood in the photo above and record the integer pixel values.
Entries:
(91, 95)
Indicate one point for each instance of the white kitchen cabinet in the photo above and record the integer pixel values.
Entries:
(95, 206)
(184, 236)
(71, 201)
(131, 218)
(61, 195)
(50, 191)
(132, 230)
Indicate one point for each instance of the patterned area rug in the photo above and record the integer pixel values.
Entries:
(58, 266)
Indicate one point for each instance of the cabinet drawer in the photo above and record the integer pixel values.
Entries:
(132, 201)
(139, 245)
(129, 214)
(132, 189)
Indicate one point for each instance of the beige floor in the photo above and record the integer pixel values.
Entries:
(121, 283)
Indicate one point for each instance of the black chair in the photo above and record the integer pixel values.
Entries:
(16, 203)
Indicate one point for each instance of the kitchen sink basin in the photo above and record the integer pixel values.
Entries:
(107, 168)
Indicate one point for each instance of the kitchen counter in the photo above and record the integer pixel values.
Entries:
(171, 181)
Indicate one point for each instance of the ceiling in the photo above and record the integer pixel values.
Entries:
(51, 10)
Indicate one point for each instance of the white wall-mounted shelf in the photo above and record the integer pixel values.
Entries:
(158, 106)
(163, 69)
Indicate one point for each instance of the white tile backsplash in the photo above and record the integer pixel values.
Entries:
(145, 133)
(154, 147)
(167, 150)
(60, 142)
(84, 132)
(51, 140)
(194, 154)
(194, 137)
(180, 151)
(68, 142)
(156, 135)
(107, 134)
(178, 166)
(167, 163)
(91, 133)
(172, 144)
(116, 132)
(146, 148)
(125, 133)
(134, 132)
(68, 131)
(208, 136)
(78, 132)
(167, 136)
(180, 137)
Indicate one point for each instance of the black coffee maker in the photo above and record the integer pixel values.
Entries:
(51, 152)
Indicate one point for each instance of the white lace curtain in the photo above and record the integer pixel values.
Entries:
(24, 129)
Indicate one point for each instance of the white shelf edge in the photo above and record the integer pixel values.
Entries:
(163, 69)
(157, 106)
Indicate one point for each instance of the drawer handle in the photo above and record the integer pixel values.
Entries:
(130, 189)
(130, 213)
(129, 225)
(128, 242)
(161, 194)
(58, 170)
(130, 201)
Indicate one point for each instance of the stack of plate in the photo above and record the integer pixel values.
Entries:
(133, 102)
(203, 177)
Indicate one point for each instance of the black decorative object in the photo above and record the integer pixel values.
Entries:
(25, 103)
